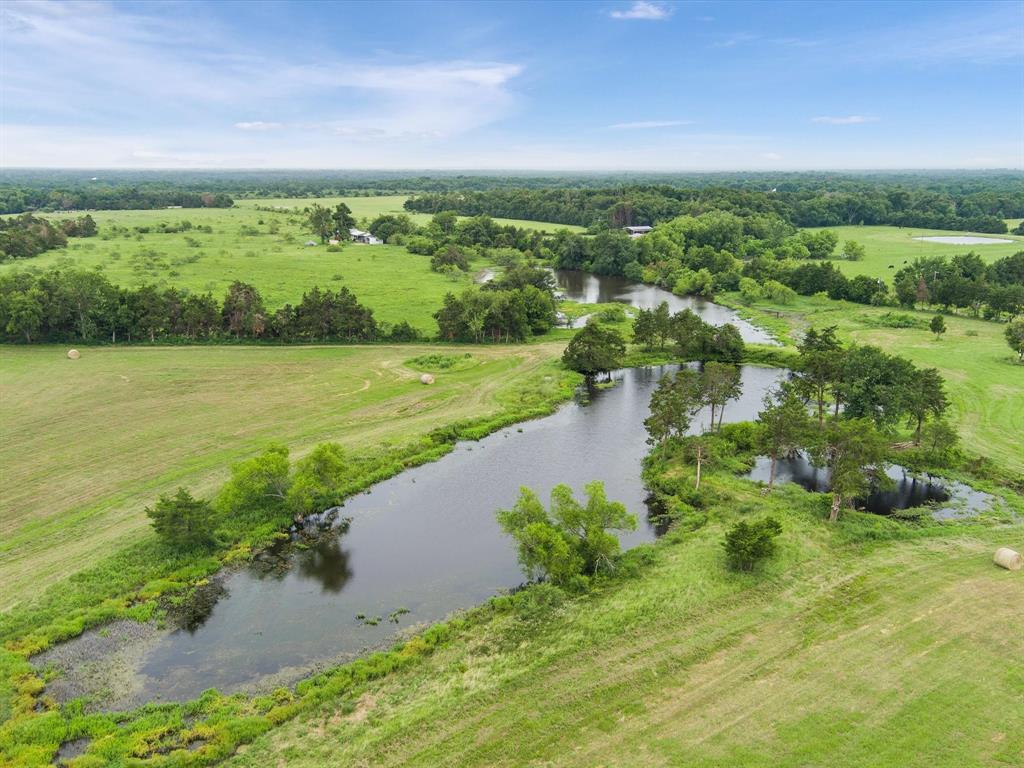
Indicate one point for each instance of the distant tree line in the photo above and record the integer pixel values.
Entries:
(944, 207)
(106, 197)
(24, 236)
(83, 306)
(920, 199)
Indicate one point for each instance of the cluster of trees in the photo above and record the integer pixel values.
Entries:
(83, 306)
(497, 315)
(330, 223)
(598, 349)
(477, 235)
(517, 305)
(24, 236)
(842, 407)
(690, 337)
(802, 201)
(677, 400)
(569, 542)
(993, 291)
(857, 396)
(263, 495)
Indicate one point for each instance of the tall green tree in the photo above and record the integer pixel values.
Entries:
(925, 397)
(1015, 337)
(854, 452)
(256, 495)
(819, 366)
(342, 221)
(24, 313)
(673, 404)
(719, 383)
(783, 427)
(318, 481)
(569, 540)
(321, 221)
(594, 350)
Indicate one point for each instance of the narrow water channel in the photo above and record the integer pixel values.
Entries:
(589, 288)
(425, 540)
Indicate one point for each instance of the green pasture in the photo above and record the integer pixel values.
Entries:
(889, 249)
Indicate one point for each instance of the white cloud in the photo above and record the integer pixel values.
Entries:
(771, 156)
(644, 124)
(644, 10)
(257, 125)
(844, 120)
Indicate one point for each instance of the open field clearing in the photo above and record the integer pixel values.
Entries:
(87, 444)
(891, 654)
(984, 382)
(395, 284)
(896, 246)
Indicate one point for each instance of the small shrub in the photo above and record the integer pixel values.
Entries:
(182, 521)
(612, 315)
(746, 544)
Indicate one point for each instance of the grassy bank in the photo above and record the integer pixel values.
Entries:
(984, 382)
(863, 644)
(88, 443)
(888, 249)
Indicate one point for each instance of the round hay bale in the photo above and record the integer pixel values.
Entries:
(74, 354)
(426, 378)
(1008, 559)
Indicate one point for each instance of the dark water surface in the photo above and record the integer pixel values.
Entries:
(589, 288)
(907, 490)
(425, 540)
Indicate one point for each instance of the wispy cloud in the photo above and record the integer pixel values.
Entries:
(643, 10)
(257, 125)
(844, 119)
(645, 124)
(192, 70)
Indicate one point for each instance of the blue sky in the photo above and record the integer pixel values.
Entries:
(553, 85)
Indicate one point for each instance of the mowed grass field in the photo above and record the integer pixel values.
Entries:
(889, 249)
(87, 444)
(903, 653)
(984, 382)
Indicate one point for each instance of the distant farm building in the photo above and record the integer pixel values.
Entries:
(637, 231)
(359, 236)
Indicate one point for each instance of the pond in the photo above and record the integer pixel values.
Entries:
(425, 540)
(964, 240)
(588, 288)
(949, 499)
